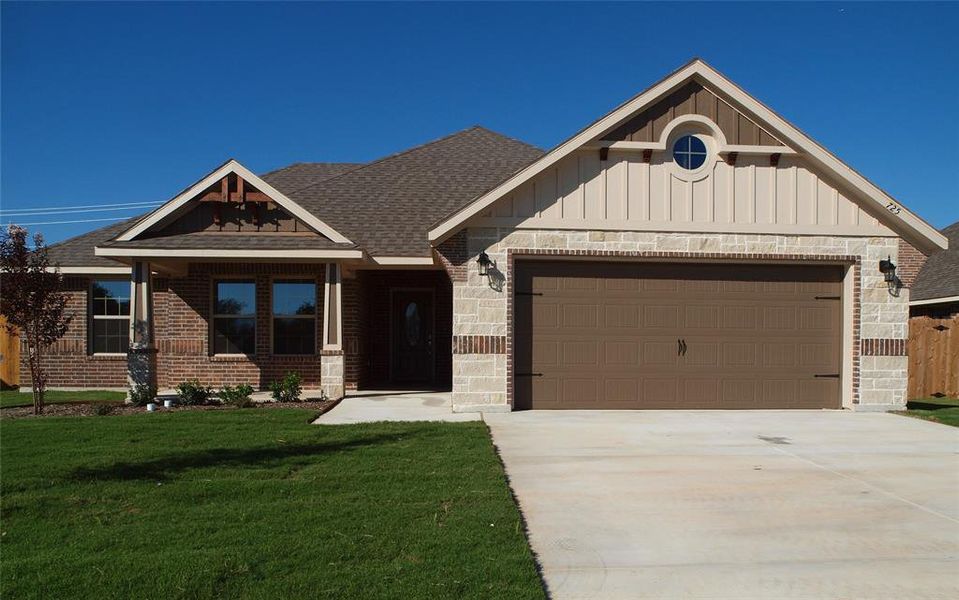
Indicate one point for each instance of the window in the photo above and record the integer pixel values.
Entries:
(234, 317)
(689, 152)
(110, 316)
(294, 317)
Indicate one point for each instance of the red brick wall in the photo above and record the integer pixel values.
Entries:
(181, 325)
(453, 255)
(182, 311)
(911, 261)
(68, 362)
(355, 329)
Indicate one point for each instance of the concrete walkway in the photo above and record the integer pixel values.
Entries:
(737, 504)
(368, 407)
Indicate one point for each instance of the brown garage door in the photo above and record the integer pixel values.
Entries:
(628, 335)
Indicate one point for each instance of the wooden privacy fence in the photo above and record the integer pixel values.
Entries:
(9, 357)
(934, 352)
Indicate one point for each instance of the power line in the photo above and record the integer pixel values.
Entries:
(66, 222)
(86, 206)
(4, 213)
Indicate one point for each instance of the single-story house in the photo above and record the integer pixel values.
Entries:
(689, 249)
(934, 324)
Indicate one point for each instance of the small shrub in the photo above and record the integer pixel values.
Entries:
(238, 396)
(287, 389)
(191, 393)
(142, 394)
(102, 410)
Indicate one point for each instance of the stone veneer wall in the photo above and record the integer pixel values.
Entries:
(481, 379)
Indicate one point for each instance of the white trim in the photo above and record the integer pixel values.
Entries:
(942, 300)
(92, 270)
(403, 260)
(218, 253)
(231, 166)
(924, 235)
(745, 149)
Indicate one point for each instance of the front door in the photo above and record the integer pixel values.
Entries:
(412, 336)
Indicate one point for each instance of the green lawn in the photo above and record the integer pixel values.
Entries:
(10, 398)
(940, 410)
(256, 504)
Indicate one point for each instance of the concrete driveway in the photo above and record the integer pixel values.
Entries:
(737, 504)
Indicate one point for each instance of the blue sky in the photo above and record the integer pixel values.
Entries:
(111, 103)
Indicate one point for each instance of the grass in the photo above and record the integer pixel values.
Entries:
(9, 398)
(256, 504)
(940, 410)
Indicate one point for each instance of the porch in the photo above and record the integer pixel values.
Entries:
(342, 326)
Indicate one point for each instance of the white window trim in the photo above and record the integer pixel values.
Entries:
(91, 318)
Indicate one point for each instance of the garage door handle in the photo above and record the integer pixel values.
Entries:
(681, 351)
(529, 374)
(829, 375)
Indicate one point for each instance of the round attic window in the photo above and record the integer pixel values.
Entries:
(689, 152)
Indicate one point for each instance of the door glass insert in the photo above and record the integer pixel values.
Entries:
(412, 317)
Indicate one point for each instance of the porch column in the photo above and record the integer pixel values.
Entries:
(141, 357)
(331, 357)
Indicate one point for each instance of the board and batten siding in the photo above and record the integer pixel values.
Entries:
(624, 193)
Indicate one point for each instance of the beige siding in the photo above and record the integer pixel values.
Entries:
(624, 193)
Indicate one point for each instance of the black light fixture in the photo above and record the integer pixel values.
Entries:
(484, 263)
(888, 270)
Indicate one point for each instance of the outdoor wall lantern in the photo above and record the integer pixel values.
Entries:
(484, 263)
(888, 270)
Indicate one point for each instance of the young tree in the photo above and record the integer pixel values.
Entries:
(32, 300)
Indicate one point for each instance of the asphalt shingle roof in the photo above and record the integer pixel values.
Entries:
(78, 251)
(232, 241)
(939, 277)
(301, 175)
(388, 206)
(385, 207)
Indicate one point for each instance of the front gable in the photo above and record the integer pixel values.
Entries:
(692, 99)
(761, 175)
(230, 199)
(233, 205)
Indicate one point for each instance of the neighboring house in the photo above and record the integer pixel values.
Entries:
(690, 249)
(934, 324)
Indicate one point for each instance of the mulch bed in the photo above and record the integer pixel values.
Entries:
(89, 409)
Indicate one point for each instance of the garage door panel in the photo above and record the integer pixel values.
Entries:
(580, 391)
(621, 316)
(740, 317)
(702, 354)
(701, 317)
(608, 335)
(659, 392)
(581, 316)
(739, 354)
(546, 315)
(660, 354)
(816, 318)
(780, 317)
(660, 316)
(622, 353)
(621, 391)
(580, 353)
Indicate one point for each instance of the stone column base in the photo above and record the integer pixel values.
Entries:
(142, 367)
(331, 374)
